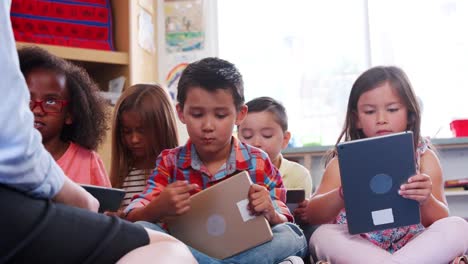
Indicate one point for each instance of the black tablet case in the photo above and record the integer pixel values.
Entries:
(372, 171)
(109, 198)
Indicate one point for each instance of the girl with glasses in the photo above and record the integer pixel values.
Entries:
(68, 112)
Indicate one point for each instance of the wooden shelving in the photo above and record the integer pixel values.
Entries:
(84, 55)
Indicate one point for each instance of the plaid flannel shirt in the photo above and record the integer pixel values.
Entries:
(183, 163)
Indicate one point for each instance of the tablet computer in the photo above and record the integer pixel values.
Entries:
(219, 223)
(109, 198)
(372, 170)
(294, 197)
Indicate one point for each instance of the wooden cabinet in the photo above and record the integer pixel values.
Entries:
(129, 59)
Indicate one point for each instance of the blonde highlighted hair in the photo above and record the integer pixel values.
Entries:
(157, 113)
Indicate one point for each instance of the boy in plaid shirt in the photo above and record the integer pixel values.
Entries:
(210, 103)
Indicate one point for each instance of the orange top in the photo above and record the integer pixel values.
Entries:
(83, 166)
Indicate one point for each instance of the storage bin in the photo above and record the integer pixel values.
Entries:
(459, 127)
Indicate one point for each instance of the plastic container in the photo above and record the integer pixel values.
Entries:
(459, 127)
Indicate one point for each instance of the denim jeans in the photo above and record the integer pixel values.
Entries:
(288, 240)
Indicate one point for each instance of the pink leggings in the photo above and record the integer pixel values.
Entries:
(441, 242)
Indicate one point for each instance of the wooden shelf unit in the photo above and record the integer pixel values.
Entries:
(85, 55)
(128, 59)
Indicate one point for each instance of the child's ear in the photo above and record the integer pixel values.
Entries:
(180, 112)
(286, 138)
(241, 114)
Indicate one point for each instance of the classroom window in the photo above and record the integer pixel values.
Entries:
(307, 54)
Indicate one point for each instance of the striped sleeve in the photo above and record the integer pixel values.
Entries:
(133, 185)
(154, 185)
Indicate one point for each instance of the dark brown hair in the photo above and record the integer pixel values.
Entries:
(211, 74)
(268, 104)
(156, 110)
(369, 80)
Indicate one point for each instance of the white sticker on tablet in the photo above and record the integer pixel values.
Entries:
(244, 210)
(382, 217)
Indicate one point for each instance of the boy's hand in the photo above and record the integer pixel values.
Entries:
(300, 212)
(419, 188)
(175, 198)
(260, 203)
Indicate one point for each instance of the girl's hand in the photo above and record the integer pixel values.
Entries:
(419, 188)
(175, 198)
(300, 213)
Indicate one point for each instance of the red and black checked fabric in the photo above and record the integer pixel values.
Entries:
(75, 23)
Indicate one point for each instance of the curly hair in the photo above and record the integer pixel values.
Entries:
(87, 107)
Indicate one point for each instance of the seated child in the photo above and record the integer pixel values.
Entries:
(266, 127)
(68, 112)
(144, 125)
(382, 101)
(210, 103)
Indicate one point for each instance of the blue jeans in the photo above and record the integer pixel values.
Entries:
(288, 240)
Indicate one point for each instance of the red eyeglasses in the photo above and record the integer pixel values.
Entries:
(49, 105)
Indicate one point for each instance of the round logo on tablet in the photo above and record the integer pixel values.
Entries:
(215, 225)
(381, 183)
